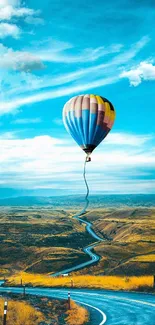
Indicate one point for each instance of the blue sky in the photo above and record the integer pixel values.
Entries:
(53, 50)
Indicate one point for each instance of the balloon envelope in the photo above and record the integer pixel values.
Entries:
(88, 118)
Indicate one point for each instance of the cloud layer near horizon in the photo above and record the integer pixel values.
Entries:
(52, 163)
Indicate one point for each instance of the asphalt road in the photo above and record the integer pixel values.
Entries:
(105, 307)
(89, 229)
(88, 250)
(93, 259)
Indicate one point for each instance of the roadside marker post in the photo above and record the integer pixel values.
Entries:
(69, 300)
(5, 312)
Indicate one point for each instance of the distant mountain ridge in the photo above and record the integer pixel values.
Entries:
(145, 200)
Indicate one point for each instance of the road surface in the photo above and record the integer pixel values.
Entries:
(105, 307)
(88, 250)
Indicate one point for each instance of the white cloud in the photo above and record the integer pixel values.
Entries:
(4, 3)
(19, 82)
(87, 55)
(123, 158)
(8, 12)
(84, 79)
(31, 82)
(8, 107)
(18, 60)
(46, 162)
(54, 51)
(27, 120)
(34, 20)
(7, 135)
(9, 30)
(127, 139)
(144, 71)
(10, 9)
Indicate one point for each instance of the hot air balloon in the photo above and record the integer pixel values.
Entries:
(88, 118)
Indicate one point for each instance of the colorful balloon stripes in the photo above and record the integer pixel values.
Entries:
(88, 118)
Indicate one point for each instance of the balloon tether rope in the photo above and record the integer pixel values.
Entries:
(83, 211)
(87, 187)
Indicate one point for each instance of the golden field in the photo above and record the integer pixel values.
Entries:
(77, 315)
(40, 240)
(20, 313)
(84, 281)
(44, 241)
(53, 311)
(129, 241)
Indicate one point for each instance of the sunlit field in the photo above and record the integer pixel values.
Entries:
(52, 312)
(43, 241)
(20, 313)
(77, 315)
(84, 281)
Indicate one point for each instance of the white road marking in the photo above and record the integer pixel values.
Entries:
(134, 300)
(84, 303)
(115, 297)
(97, 296)
(99, 310)
(105, 296)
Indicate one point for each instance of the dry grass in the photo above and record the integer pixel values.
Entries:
(144, 258)
(77, 315)
(40, 240)
(84, 281)
(53, 311)
(129, 234)
(20, 313)
(43, 241)
(124, 225)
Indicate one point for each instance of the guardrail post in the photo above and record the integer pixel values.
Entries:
(5, 312)
(69, 300)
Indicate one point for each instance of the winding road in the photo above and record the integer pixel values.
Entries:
(105, 307)
(88, 250)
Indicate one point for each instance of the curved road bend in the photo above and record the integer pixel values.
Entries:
(112, 308)
(88, 249)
